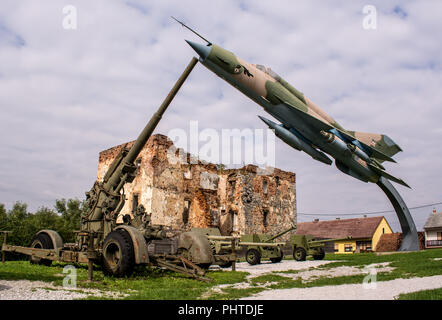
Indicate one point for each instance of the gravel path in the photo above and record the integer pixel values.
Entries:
(285, 265)
(308, 271)
(267, 267)
(39, 290)
(385, 290)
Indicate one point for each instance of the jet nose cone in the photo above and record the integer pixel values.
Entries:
(202, 50)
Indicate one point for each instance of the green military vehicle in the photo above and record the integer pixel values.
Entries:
(223, 248)
(261, 246)
(306, 245)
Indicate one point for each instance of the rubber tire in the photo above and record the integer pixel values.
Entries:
(42, 241)
(299, 254)
(253, 257)
(204, 266)
(124, 264)
(279, 259)
(321, 254)
(226, 265)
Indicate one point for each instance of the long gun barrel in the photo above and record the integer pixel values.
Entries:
(150, 127)
(293, 227)
(105, 198)
(329, 240)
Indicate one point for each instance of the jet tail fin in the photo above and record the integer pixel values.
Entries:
(380, 142)
(346, 136)
(372, 152)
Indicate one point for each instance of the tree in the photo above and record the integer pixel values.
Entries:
(71, 211)
(3, 221)
(3, 217)
(65, 219)
(44, 218)
(17, 223)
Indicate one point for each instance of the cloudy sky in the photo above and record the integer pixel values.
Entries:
(67, 94)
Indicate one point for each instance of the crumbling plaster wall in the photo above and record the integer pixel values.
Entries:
(182, 195)
(263, 203)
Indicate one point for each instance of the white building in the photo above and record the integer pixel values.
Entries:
(433, 230)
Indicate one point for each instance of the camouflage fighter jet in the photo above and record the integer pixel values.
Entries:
(304, 126)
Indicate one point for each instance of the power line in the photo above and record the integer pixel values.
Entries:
(362, 213)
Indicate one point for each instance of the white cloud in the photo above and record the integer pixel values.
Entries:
(68, 94)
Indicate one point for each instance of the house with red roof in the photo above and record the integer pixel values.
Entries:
(364, 232)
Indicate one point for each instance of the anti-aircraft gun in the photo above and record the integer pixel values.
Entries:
(102, 239)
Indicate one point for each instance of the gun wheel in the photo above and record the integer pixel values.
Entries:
(253, 256)
(279, 259)
(299, 254)
(226, 265)
(320, 255)
(118, 254)
(41, 241)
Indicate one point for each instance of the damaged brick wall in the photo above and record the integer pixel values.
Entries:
(183, 195)
(392, 241)
(258, 203)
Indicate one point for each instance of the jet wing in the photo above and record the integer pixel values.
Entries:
(319, 125)
(388, 176)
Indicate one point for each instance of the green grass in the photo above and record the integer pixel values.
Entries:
(146, 283)
(155, 283)
(406, 265)
(435, 294)
(267, 278)
(235, 293)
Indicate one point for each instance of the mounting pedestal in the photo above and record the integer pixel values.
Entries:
(410, 241)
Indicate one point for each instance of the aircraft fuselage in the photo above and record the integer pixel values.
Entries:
(279, 98)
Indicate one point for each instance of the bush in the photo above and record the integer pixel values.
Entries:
(71, 211)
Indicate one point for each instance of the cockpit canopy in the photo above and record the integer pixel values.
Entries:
(269, 71)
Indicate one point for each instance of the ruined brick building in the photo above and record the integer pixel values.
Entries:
(181, 195)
